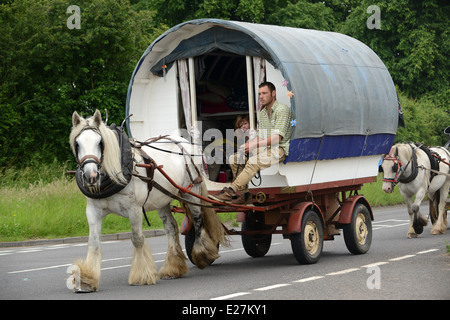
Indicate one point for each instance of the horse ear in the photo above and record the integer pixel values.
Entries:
(97, 118)
(396, 152)
(76, 119)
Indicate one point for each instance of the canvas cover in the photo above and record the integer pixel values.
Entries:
(343, 95)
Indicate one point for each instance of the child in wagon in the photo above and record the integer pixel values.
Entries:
(242, 129)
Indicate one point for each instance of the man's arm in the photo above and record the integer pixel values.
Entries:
(259, 143)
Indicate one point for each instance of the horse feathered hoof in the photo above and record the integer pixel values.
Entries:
(412, 235)
(419, 221)
(78, 281)
(437, 230)
(418, 228)
(83, 290)
(75, 283)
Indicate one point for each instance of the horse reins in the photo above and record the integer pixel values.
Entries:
(150, 166)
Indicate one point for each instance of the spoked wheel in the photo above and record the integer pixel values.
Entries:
(308, 244)
(256, 245)
(358, 234)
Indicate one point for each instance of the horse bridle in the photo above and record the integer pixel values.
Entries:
(89, 158)
(399, 170)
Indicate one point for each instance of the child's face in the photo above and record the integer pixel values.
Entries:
(245, 126)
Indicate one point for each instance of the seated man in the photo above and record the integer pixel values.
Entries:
(271, 145)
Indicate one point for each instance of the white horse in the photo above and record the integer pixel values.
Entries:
(98, 153)
(410, 167)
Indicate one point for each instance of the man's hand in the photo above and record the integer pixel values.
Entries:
(257, 143)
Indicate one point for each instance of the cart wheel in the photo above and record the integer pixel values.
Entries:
(307, 245)
(358, 234)
(189, 240)
(255, 245)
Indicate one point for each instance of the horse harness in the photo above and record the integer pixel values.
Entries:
(150, 165)
(107, 187)
(433, 157)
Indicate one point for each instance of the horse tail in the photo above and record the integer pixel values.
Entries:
(211, 221)
(209, 237)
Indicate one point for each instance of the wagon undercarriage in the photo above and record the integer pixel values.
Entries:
(305, 218)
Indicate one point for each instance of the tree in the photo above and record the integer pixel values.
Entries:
(173, 12)
(47, 71)
(304, 14)
(413, 42)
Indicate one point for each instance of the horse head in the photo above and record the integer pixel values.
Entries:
(397, 166)
(391, 170)
(96, 150)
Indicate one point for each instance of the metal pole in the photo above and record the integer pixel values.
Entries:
(251, 96)
(192, 92)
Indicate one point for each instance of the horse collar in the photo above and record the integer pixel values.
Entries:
(414, 168)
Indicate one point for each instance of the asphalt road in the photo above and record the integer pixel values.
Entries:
(394, 268)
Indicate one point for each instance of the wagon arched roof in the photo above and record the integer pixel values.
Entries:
(340, 86)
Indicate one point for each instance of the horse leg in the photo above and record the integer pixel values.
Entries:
(175, 263)
(143, 269)
(440, 226)
(87, 275)
(408, 199)
(419, 220)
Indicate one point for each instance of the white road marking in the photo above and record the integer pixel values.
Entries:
(116, 267)
(309, 279)
(273, 287)
(39, 269)
(346, 271)
(384, 224)
(31, 250)
(427, 251)
(229, 296)
(374, 264)
(343, 271)
(403, 257)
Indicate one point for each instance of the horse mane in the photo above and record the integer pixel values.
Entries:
(74, 133)
(111, 164)
(403, 149)
(112, 155)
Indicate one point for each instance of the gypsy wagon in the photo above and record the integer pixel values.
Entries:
(202, 73)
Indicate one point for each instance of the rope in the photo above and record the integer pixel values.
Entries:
(434, 171)
(314, 170)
